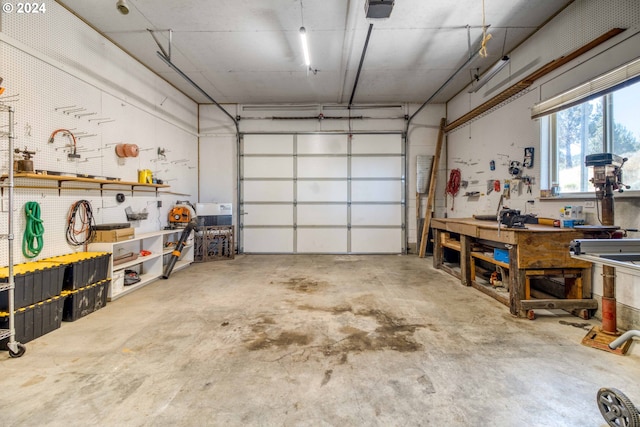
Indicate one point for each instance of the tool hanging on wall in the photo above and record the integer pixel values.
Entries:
(528, 181)
(73, 154)
(528, 157)
(127, 150)
(515, 168)
(453, 185)
(32, 239)
(506, 189)
(26, 164)
(82, 234)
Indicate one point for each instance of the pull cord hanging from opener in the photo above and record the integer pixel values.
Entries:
(485, 37)
(32, 240)
(453, 185)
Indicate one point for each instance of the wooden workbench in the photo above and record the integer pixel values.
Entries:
(536, 252)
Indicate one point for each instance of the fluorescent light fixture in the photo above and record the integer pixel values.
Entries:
(479, 82)
(305, 46)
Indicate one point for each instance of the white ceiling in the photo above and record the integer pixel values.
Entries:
(249, 51)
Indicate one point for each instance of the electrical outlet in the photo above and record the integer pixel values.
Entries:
(590, 204)
(159, 203)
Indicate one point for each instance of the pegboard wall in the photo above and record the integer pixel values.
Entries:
(61, 74)
(502, 134)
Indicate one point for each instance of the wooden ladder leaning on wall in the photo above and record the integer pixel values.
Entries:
(432, 190)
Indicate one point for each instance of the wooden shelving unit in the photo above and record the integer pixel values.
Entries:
(104, 184)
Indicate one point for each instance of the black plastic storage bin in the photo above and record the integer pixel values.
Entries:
(34, 282)
(34, 321)
(83, 268)
(84, 301)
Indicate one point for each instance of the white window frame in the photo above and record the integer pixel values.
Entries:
(601, 86)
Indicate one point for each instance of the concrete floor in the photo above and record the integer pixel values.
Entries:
(312, 341)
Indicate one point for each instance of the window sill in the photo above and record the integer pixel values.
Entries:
(629, 194)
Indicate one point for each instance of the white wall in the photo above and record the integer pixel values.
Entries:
(502, 134)
(218, 150)
(53, 60)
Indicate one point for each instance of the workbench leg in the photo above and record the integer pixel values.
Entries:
(586, 283)
(573, 287)
(438, 253)
(585, 289)
(472, 263)
(517, 284)
(465, 260)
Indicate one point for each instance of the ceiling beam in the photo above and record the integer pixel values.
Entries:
(528, 81)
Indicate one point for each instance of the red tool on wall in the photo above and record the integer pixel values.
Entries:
(453, 185)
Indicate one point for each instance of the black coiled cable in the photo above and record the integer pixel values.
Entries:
(80, 222)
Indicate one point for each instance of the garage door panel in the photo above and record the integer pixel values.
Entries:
(300, 192)
(267, 214)
(322, 191)
(322, 144)
(376, 240)
(322, 215)
(268, 191)
(322, 167)
(270, 240)
(268, 144)
(376, 191)
(376, 144)
(322, 240)
(376, 167)
(376, 215)
(268, 167)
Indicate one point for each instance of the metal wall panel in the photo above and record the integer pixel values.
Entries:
(376, 191)
(268, 144)
(268, 240)
(376, 240)
(322, 167)
(376, 214)
(376, 144)
(322, 191)
(322, 240)
(268, 167)
(267, 214)
(322, 214)
(376, 167)
(322, 144)
(267, 191)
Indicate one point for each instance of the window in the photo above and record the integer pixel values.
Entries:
(607, 124)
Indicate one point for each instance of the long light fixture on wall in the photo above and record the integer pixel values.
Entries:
(479, 82)
(305, 46)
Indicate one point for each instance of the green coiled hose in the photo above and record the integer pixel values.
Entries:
(32, 241)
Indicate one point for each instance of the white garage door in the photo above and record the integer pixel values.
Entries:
(322, 193)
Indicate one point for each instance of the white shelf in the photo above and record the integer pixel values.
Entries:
(4, 333)
(136, 261)
(145, 279)
(150, 267)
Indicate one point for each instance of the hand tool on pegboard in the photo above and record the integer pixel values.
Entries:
(453, 185)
